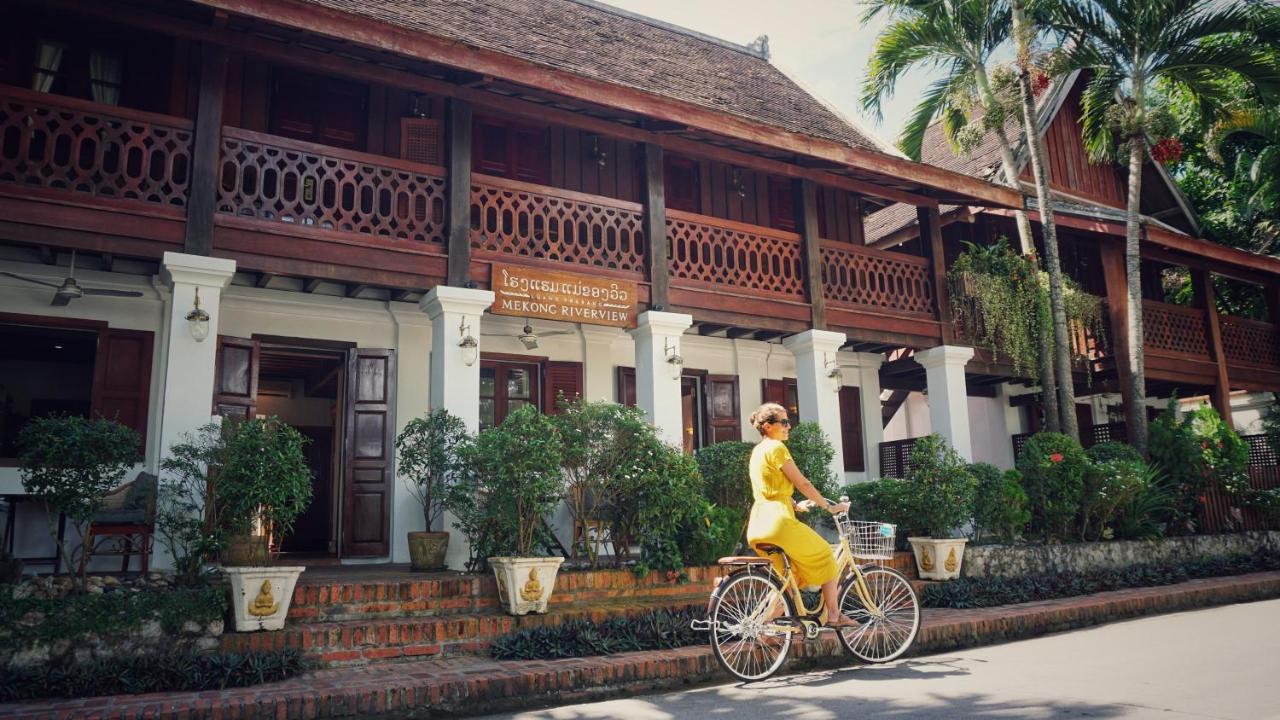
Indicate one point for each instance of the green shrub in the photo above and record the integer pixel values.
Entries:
(427, 458)
(1108, 451)
(725, 469)
(940, 487)
(1146, 515)
(999, 503)
(1175, 449)
(1109, 486)
(185, 514)
(886, 500)
(663, 495)
(110, 614)
(654, 630)
(1224, 453)
(813, 453)
(264, 476)
(712, 533)
(1053, 466)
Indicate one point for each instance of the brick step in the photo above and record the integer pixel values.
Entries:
(379, 639)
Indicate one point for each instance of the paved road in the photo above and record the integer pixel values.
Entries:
(1217, 663)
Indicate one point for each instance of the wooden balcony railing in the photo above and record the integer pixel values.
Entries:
(275, 179)
(64, 144)
(542, 222)
(1175, 329)
(873, 278)
(1250, 342)
(744, 258)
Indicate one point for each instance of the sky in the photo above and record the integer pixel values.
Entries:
(819, 43)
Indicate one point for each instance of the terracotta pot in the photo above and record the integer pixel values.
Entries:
(427, 550)
(246, 551)
(525, 584)
(938, 558)
(260, 596)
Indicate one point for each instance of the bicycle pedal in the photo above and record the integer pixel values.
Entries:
(811, 629)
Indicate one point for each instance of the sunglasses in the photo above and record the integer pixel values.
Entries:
(784, 422)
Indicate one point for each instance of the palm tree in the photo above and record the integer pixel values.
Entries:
(1260, 171)
(1129, 45)
(960, 37)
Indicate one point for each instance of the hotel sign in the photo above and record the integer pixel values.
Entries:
(569, 297)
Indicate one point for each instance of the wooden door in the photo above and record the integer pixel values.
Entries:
(367, 471)
(723, 409)
(235, 378)
(122, 378)
(627, 386)
(851, 429)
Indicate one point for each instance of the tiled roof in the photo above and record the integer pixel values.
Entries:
(610, 45)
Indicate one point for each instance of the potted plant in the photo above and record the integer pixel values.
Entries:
(427, 449)
(263, 484)
(517, 481)
(71, 463)
(186, 516)
(940, 495)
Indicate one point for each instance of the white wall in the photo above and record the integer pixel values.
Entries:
(989, 432)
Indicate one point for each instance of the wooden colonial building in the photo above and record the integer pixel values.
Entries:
(385, 207)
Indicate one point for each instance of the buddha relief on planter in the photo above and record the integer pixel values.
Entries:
(264, 604)
(532, 591)
(951, 562)
(926, 559)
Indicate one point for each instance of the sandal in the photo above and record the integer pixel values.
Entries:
(841, 622)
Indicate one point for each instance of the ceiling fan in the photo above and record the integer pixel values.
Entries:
(527, 337)
(71, 290)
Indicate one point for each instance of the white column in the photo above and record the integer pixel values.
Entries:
(186, 391)
(455, 386)
(868, 376)
(819, 395)
(948, 397)
(657, 338)
(753, 368)
(599, 380)
(413, 380)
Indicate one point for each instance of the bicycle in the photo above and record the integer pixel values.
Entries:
(751, 639)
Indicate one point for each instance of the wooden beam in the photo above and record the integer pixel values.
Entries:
(709, 328)
(355, 290)
(767, 335)
(1202, 284)
(1115, 279)
(931, 235)
(47, 255)
(203, 189)
(458, 216)
(108, 262)
(734, 333)
(655, 227)
(402, 295)
(264, 279)
(310, 285)
(806, 210)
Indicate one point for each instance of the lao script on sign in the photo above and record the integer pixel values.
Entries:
(569, 297)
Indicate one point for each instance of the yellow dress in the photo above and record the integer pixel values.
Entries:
(773, 520)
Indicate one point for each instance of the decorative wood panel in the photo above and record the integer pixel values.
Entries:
(746, 258)
(863, 276)
(724, 421)
(235, 378)
(369, 431)
(1250, 342)
(895, 457)
(82, 147)
(1174, 329)
(420, 141)
(508, 216)
(122, 378)
(1221, 511)
(280, 180)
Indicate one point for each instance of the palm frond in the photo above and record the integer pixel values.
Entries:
(1243, 121)
(1098, 97)
(1253, 65)
(906, 42)
(933, 101)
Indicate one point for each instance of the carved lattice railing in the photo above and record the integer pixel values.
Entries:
(1174, 329)
(1250, 342)
(534, 221)
(57, 143)
(875, 278)
(280, 180)
(740, 257)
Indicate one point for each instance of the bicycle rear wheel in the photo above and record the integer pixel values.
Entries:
(742, 639)
(887, 632)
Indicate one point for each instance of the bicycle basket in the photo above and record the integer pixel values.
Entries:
(870, 540)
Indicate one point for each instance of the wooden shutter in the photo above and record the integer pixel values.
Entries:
(235, 377)
(680, 184)
(723, 409)
(782, 206)
(320, 110)
(420, 141)
(561, 378)
(367, 472)
(489, 148)
(627, 386)
(530, 157)
(851, 429)
(774, 391)
(122, 378)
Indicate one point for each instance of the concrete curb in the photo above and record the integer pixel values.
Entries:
(468, 686)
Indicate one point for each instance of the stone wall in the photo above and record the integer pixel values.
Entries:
(994, 560)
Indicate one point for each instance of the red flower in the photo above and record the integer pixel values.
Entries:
(1039, 82)
(1167, 151)
(1056, 457)
(1202, 500)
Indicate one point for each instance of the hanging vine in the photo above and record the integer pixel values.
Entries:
(1000, 300)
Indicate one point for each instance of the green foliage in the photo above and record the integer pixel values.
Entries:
(1176, 452)
(1108, 451)
(663, 496)
(514, 481)
(427, 452)
(813, 453)
(175, 671)
(941, 488)
(999, 504)
(886, 500)
(993, 591)
(711, 533)
(1271, 423)
(1146, 515)
(1109, 486)
(110, 614)
(264, 475)
(654, 630)
(725, 469)
(185, 515)
(1053, 466)
(1223, 452)
(71, 463)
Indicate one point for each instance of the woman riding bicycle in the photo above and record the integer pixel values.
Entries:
(774, 479)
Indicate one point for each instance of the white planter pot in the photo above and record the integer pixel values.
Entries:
(525, 584)
(260, 596)
(938, 558)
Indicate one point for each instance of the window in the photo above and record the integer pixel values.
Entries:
(785, 392)
(782, 207)
(506, 386)
(319, 109)
(510, 150)
(94, 73)
(681, 185)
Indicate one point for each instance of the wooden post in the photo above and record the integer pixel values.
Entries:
(931, 242)
(1113, 274)
(1202, 283)
(206, 147)
(655, 227)
(806, 209)
(458, 215)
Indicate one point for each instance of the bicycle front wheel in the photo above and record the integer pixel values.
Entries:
(745, 637)
(888, 627)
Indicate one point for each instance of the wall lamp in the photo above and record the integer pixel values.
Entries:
(832, 366)
(199, 320)
(470, 347)
(600, 156)
(675, 363)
